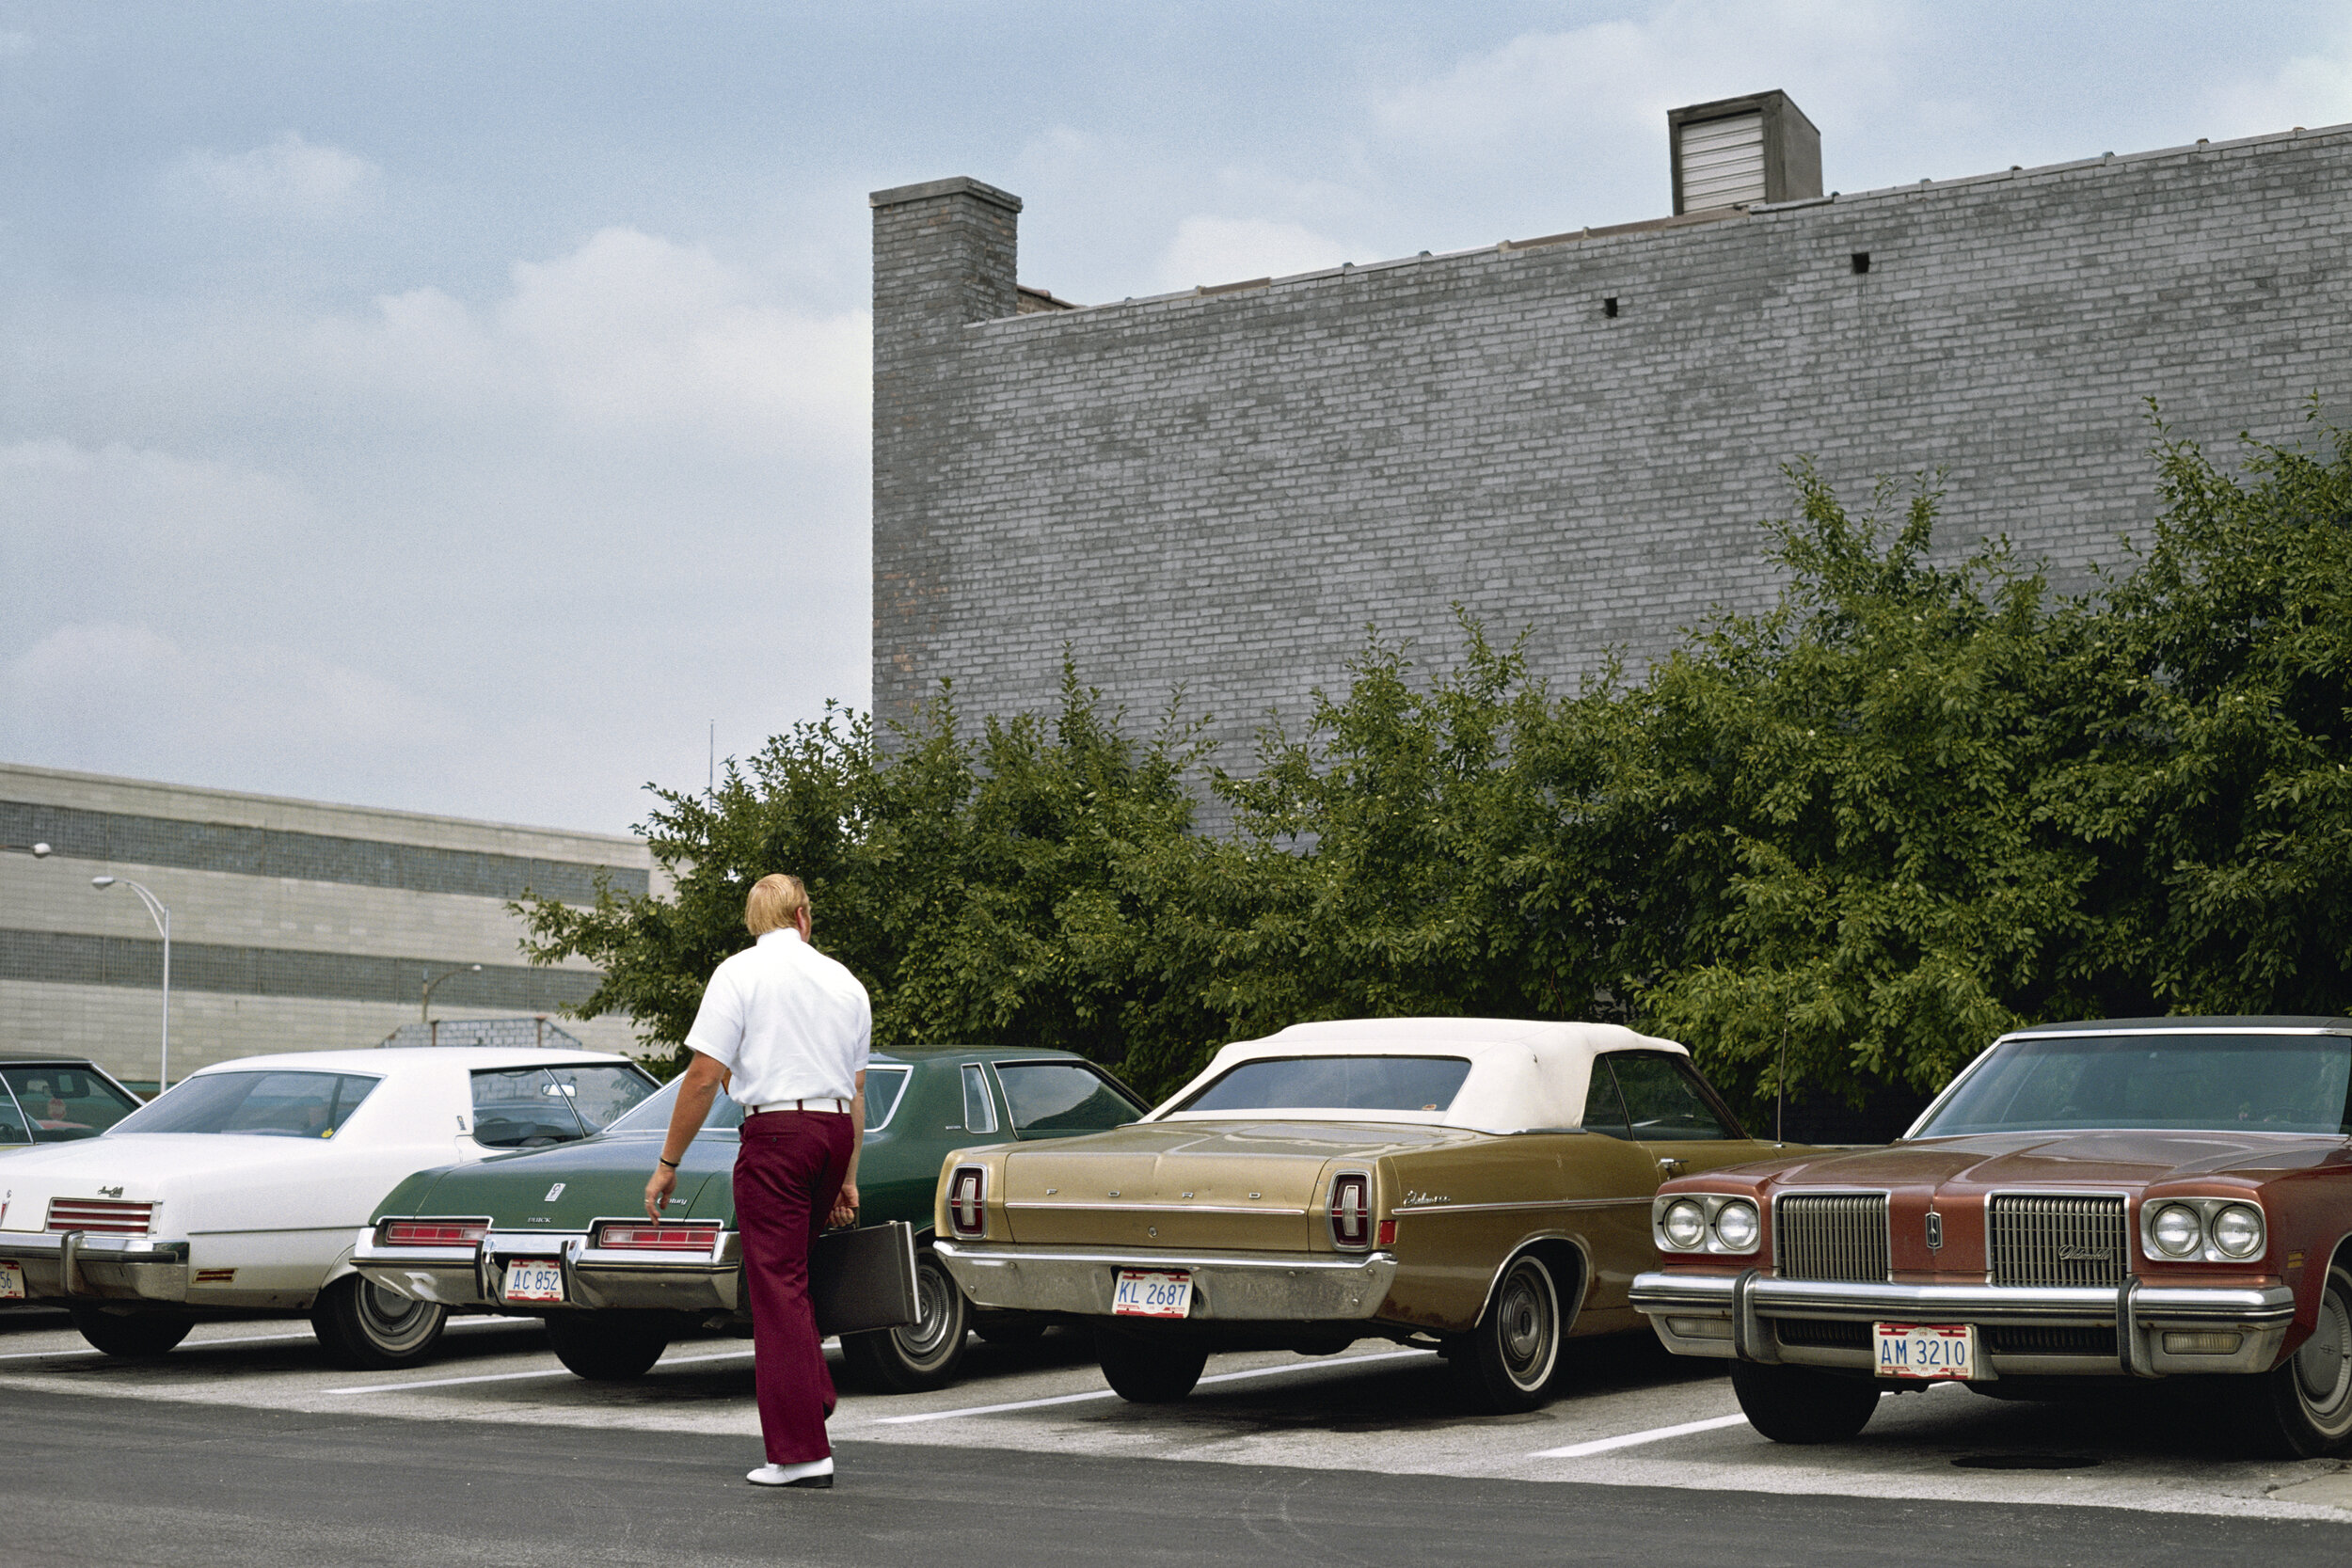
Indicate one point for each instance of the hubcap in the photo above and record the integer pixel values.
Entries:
(2323, 1368)
(1524, 1325)
(924, 1339)
(391, 1319)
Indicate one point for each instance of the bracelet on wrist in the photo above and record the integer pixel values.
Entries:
(672, 1163)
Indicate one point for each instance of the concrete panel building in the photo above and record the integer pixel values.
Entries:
(296, 926)
(1574, 434)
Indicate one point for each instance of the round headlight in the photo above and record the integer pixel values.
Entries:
(2176, 1230)
(2237, 1231)
(1736, 1227)
(1684, 1224)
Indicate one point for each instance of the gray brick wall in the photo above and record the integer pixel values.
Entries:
(1219, 491)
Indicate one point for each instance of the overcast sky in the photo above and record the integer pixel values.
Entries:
(458, 407)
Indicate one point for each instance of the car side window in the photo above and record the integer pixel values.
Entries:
(883, 1085)
(14, 1128)
(1604, 1107)
(979, 1112)
(523, 1107)
(1662, 1100)
(1047, 1097)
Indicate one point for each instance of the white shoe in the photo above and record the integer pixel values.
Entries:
(816, 1473)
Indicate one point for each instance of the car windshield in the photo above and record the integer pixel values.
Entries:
(1062, 1097)
(2188, 1082)
(45, 1104)
(258, 1104)
(1335, 1084)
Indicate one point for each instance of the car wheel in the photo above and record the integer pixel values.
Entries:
(133, 1336)
(608, 1347)
(2302, 1409)
(924, 1354)
(1508, 1361)
(1798, 1404)
(366, 1327)
(1147, 1371)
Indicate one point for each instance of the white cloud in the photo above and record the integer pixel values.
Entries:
(2311, 90)
(289, 175)
(1227, 250)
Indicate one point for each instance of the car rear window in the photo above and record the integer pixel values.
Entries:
(2188, 1082)
(46, 1104)
(1335, 1084)
(255, 1104)
(531, 1107)
(652, 1114)
(1062, 1097)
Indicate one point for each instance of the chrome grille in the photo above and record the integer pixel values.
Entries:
(1840, 1236)
(2058, 1241)
(100, 1215)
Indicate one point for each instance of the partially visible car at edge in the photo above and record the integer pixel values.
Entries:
(2115, 1198)
(238, 1191)
(1481, 1186)
(54, 1098)
(562, 1233)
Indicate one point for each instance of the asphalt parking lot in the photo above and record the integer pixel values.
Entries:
(1632, 1426)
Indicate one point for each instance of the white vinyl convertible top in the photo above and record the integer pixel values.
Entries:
(1523, 1075)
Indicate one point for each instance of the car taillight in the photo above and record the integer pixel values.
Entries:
(432, 1232)
(1351, 1211)
(967, 1211)
(659, 1238)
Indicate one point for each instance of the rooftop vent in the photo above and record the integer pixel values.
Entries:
(1738, 150)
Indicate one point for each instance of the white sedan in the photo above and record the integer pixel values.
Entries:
(239, 1192)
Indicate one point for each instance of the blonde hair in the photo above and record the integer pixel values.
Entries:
(772, 903)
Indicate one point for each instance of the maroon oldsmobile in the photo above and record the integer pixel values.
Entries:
(2132, 1198)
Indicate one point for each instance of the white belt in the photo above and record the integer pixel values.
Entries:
(838, 1108)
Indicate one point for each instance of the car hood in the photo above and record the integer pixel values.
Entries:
(2008, 1160)
(1235, 1185)
(565, 1187)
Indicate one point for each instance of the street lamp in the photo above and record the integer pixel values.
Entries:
(425, 1013)
(38, 851)
(162, 917)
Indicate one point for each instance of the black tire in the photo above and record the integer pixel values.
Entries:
(1010, 1330)
(1507, 1363)
(132, 1336)
(925, 1353)
(365, 1326)
(608, 1347)
(1798, 1404)
(1147, 1371)
(2303, 1408)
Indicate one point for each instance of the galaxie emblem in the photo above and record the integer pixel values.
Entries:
(110, 1192)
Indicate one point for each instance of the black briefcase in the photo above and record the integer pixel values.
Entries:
(864, 1278)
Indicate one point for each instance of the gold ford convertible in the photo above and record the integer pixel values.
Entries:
(1480, 1186)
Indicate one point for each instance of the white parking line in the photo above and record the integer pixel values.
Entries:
(1112, 1394)
(240, 1339)
(1635, 1439)
(518, 1377)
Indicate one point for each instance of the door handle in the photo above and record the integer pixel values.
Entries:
(1670, 1165)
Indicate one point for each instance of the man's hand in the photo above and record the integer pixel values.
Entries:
(657, 1190)
(844, 1208)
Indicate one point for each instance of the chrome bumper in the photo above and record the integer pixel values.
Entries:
(1739, 1317)
(1231, 1287)
(593, 1276)
(78, 1266)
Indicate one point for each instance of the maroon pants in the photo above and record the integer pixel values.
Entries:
(789, 1169)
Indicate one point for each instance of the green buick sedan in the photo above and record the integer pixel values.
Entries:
(561, 1233)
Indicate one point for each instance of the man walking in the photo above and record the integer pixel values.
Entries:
(787, 1029)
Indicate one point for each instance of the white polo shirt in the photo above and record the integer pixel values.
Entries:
(787, 1022)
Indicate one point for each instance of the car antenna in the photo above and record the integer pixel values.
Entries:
(1780, 1084)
